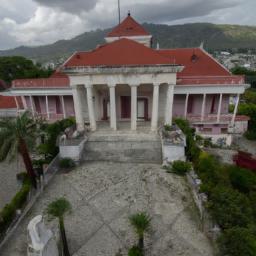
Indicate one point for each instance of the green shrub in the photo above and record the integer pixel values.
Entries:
(49, 148)
(208, 142)
(237, 242)
(21, 176)
(250, 135)
(192, 150)
(67, 163)
(180, 167)
(8, 213)
(135, 251)
(242, 179)
(167, 127)
(230, 208)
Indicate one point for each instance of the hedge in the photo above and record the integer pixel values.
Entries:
(8, 213)
(232, 195)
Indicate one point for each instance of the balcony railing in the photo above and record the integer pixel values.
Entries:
(192, 80)
(41, 83)
(212, 118)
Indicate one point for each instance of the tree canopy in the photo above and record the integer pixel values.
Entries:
(17, 67)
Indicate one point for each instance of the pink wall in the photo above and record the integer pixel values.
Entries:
(69, 106)
(212, 128)
(195, 104)
(55, 106)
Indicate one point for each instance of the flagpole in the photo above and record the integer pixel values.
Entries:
(119, 14)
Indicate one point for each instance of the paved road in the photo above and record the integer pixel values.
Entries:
(8, 181)
(103, 195)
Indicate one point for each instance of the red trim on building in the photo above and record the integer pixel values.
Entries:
(41, 83)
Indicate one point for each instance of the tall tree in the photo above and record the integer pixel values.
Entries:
(16, 67)
(18, 135)
(58, 209)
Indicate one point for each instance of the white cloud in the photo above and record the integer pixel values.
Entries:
(35, 22)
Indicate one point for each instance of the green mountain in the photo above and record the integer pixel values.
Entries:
(215, 37)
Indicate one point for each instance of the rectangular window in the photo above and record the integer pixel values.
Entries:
(58, 105)
(224, 130)
(190, 104)
(207, 130)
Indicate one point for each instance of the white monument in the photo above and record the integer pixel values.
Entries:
(40, 239)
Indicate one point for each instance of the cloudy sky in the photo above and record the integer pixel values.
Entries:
(38, 22)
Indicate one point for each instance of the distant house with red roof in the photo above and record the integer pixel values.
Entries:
(127, 80)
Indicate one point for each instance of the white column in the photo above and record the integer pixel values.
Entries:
(90, 107)
(134, 107)
(78, 109)
(24, 102)
(47, 107)
(154, 117)
(63, 106)
(186, 106)
(32, 105)
(235, 110)
(203, 108)
(169, 104)
(219, 108)
(112, 93)
(17, 103)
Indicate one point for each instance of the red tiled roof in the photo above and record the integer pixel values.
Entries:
(7, 102)
(123, 52)
(196, 62)
(128, 27)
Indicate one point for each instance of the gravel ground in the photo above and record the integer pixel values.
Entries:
(8, 181)
(103, 195)
(245, 145)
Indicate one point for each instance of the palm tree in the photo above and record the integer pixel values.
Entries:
(141, 224)
(57, 209)
(17, 135)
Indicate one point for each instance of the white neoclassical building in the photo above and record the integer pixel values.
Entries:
(126, 80)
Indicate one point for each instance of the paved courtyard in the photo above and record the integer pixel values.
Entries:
(104, 194)
(9, 185)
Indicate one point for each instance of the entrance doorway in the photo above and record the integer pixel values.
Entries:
(142, 108)
(125, 107)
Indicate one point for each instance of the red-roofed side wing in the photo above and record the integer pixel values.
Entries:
(200, 67)
(7, 102)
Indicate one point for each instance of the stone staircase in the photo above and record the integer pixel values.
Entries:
(123, 147)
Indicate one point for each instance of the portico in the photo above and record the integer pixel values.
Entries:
(124, 96)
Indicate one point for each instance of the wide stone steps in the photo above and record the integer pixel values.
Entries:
(133, 148)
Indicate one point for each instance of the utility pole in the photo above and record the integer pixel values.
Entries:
(119, 12)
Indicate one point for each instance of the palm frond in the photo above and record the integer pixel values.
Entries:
(58, 207)
(140, 222)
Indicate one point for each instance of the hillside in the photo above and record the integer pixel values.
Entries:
(215, 37)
